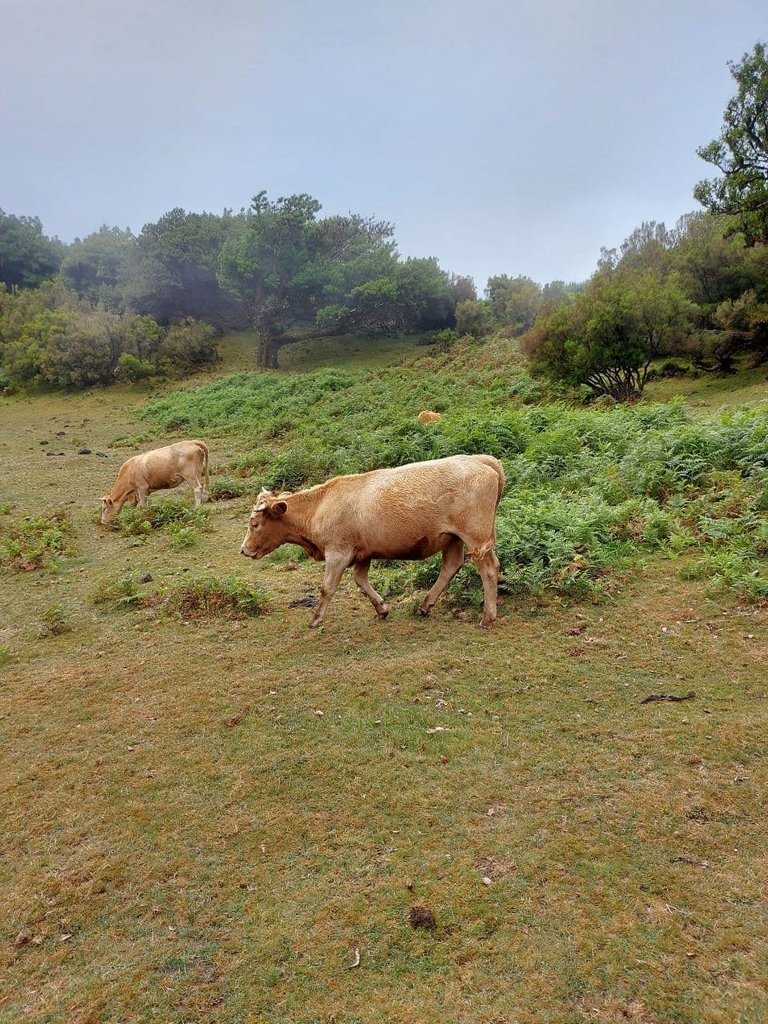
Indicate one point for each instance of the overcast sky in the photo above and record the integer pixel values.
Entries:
(502, 136)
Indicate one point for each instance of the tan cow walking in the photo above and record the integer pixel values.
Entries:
(158, 470)
(408, 512)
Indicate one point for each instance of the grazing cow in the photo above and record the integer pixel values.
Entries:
(155, 471)
(429, 417)
(408, 512)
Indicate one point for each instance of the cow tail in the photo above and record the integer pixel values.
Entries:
(502, 481)
(206, 474)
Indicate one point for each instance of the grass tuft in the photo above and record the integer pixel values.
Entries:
(34, 542)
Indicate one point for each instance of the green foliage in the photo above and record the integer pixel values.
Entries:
(610, 334)
(741, 152)
(132, 368)
(224, 488)
(206, 596)
(179, 521)
(55, 621)
(27, 256)
(473, 316)
(326, 276)
(97, 267)
(514, 301)
(122, 592)
(34, 542)
(589, 490)
(51, 336)
(188, 346)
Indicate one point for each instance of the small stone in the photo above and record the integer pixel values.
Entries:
(83, 451)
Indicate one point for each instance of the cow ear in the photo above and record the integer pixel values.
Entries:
(279, 508)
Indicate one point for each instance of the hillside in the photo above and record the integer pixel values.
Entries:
(210, 810)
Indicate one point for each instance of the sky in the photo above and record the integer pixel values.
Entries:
(501, 136)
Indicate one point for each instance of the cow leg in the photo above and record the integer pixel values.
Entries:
(201, 495)
(487, 565)
(361, 579)
(453, 559)
(335, 564)
(141, 498)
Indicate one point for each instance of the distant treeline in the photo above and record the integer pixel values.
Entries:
(276, 266)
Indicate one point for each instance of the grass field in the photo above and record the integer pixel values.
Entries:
(208, 818)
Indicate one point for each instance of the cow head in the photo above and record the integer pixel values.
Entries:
(267, 528)
(108, 510)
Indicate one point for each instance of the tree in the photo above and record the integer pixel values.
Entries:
(610, 334)
(27, 256)
(515, 301)
(741, 152)
(293, 271)
(473, 316)
(174, 274)
(98, 266)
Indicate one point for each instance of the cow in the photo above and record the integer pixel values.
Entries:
(408, 512)
(429, 417)
(156, 470)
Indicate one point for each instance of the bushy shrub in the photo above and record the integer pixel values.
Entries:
(188, 346)
(133, 369)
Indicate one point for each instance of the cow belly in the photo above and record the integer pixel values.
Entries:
(419, 549)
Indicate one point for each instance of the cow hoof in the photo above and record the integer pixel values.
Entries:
(486, 625)
(314, 623)
(382, 614)
(423, 612)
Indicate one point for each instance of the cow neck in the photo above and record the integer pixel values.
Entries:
(299, 511)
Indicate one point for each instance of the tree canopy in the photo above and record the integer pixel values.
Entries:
(27, 256)
(741, 151)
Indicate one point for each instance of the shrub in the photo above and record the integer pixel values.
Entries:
(133, 369)
(188, 346)
(122, 592)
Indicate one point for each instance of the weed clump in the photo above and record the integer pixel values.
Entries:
(178, 520)
(205, 597)
(34, 542)
(198, 597)
(55, 621)
(229, 487)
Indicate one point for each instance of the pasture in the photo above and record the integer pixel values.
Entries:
(211, 812)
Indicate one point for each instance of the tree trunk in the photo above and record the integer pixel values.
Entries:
(266, 354)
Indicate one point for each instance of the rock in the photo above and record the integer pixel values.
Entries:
(83, 451)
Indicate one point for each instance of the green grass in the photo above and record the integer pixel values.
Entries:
(203, 818)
